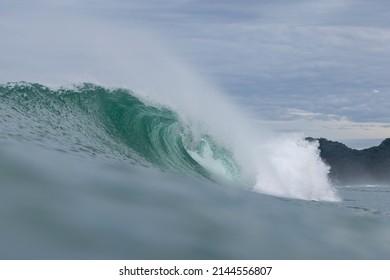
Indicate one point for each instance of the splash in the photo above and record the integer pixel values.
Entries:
(191, 122)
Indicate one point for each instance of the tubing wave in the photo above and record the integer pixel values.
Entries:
(116, 120)
(88, 119)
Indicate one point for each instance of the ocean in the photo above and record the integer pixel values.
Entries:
(94, 172)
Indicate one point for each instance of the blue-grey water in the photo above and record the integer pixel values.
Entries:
(74, 185)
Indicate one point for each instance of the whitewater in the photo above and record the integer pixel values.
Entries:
(115, 148)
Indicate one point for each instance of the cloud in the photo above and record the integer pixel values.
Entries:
(311, 68)
(340, 129)
(320, 57)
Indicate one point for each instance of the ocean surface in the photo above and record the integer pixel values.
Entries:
(90, 172)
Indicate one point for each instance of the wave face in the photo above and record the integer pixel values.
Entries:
(105, 121)
(91, 120)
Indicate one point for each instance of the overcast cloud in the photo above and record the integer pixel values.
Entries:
(287, 61)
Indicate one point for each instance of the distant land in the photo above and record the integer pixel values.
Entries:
(350, 166)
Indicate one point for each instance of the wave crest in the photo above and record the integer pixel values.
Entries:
(88, 118)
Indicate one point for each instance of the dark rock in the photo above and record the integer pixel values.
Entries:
(350, 166)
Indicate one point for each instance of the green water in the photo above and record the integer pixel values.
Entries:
(94, 173)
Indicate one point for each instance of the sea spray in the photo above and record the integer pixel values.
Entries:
(292, 167)
(183, 116)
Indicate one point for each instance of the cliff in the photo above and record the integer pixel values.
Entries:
(350, 166)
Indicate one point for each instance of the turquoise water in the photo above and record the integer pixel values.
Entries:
(88, 172)
(90, 119)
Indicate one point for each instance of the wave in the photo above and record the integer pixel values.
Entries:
(153, 135)
(116, 122)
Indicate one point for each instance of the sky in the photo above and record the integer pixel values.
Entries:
(317, 67)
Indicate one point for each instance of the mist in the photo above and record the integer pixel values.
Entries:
(63, 49)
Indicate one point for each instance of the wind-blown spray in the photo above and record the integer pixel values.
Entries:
(183, 115)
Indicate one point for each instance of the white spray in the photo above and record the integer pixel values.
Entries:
(60, 50)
